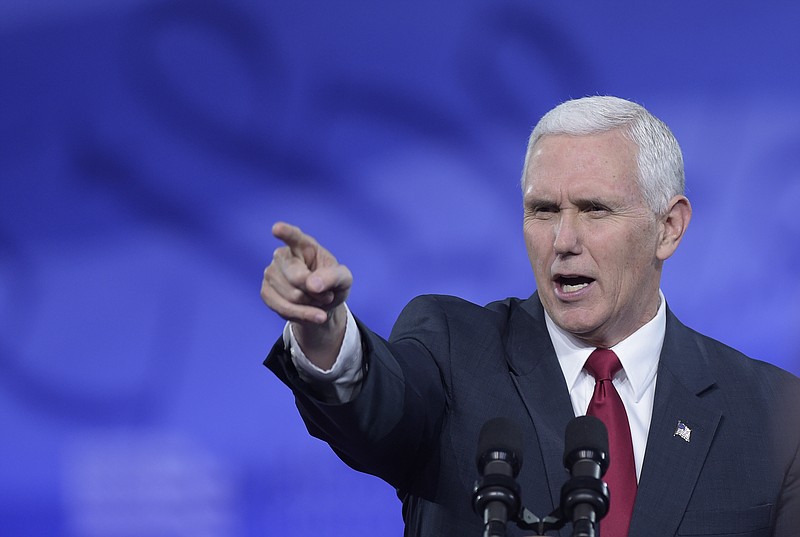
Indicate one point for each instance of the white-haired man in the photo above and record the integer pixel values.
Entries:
(703, 440)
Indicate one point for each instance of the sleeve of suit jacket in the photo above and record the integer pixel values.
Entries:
(390, 429)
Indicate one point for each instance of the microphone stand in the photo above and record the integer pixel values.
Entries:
(528, 521)
(584, 497)
(584, 500)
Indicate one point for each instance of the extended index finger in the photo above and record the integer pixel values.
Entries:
(301, 244)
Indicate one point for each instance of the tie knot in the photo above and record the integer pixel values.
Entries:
(603, 364)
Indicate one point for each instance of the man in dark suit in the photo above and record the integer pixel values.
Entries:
(709, 438)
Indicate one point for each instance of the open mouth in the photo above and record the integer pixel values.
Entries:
(572, 284)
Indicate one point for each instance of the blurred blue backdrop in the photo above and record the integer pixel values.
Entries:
(146, 147)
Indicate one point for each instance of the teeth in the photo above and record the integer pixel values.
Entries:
(572, 288)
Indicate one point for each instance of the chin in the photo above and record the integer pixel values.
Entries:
(577, 325)
(574, 326)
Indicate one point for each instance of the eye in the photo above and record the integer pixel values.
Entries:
(597, 209)
(542, 210)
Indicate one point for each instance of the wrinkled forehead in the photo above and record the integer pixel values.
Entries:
(604, 160)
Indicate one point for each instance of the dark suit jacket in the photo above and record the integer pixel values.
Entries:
(449, 366)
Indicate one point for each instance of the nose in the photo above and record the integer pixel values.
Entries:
(567, 240)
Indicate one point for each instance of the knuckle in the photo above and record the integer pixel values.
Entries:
(279, 252)
(296, 296)
(270, 274)
(267, 294)
(296, 277)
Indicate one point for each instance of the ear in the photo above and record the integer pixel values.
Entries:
(672, 226)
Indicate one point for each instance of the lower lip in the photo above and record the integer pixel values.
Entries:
(572, 295)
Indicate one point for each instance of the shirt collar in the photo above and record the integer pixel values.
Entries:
(639, 353)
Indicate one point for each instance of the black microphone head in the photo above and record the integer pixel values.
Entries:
(500, 439)
(586, 438)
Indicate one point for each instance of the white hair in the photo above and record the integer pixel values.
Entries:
(659, 158)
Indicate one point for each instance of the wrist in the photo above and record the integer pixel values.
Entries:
(321, 342)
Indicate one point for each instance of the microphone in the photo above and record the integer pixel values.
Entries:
(496, 495)
(584, 497)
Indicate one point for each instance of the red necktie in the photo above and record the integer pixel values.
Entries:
(606, 405)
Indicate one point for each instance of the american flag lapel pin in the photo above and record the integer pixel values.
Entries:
(683, 431)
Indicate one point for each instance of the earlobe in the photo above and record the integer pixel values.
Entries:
(673, 225)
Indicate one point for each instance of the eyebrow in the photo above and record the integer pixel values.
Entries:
(532, 197)
(535, 202)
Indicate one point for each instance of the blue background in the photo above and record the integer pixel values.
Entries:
(147, 147)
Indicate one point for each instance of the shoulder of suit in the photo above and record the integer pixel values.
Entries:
(731, 364)
(455, 305)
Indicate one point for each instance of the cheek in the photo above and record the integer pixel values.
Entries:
(537, 236)
(537, 250)
(628, 244)
(635, 262)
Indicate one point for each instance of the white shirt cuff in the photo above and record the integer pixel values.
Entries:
(342, 382)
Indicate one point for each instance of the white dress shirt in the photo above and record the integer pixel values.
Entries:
(636, 382)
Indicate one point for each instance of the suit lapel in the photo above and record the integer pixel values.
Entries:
(673, 463)
(540, 382)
